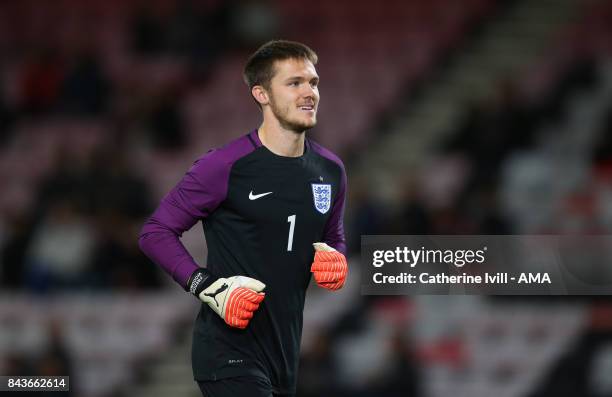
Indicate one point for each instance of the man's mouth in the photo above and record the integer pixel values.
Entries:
(307, 107)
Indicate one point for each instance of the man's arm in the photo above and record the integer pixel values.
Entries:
(198, 194)
(330, 267)
(334, 229)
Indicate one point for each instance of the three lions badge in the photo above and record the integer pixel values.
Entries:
(321, 193)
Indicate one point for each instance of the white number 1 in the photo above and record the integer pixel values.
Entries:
(291, 221)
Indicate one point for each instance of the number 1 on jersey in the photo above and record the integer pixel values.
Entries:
(291, 221)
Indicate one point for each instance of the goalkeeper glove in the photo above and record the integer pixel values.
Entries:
(329, 267)
(234, 299)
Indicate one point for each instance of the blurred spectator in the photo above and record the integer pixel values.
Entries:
(67, 180)
(12, 256)
(60, 250)
(117, 261)
(318, 369)
(56, 360)
(413, 217)
(113, 186)
(7, 118)
(122, 200)
(87, 219)
(195, 32)
(401, 377)
(492, 129)
(451, 220)
(164, 121)
(85, 90)
(602, 154)
(40, 82)
(600, 380)
(254, 22)
(102, 183)
(486, 212)
(17, 364)
(579, 372)
(198, 32)
(146, 31)
(367, 215)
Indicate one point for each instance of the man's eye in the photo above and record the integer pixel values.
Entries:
(294, 83)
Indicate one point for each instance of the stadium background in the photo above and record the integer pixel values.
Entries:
(453, 117)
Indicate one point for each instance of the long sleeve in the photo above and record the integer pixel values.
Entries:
(197, 195)
(334, 229)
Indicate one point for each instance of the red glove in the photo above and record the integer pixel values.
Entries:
(234, 299)
(329, 267)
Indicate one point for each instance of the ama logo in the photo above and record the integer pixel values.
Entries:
(538, 278)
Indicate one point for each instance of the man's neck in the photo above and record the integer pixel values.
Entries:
(280, 141)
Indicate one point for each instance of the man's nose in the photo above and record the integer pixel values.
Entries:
(309, 91)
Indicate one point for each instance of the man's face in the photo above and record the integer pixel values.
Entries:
(294, 94)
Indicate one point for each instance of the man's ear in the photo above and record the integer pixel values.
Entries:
(260, 94)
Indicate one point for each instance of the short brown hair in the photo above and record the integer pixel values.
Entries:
(259, 69)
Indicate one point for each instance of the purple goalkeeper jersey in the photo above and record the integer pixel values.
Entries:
(261, 213)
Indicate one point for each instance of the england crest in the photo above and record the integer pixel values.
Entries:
(321, 193)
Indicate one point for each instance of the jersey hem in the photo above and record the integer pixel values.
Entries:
(236, 372)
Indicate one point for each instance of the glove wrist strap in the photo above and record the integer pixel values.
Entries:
(200, 280)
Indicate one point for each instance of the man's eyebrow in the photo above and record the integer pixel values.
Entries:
(301, 78)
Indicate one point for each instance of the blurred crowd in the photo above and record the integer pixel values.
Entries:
(73, 226)
(54, 360)
(86, 206)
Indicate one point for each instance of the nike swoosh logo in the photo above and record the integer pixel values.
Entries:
(256, 196)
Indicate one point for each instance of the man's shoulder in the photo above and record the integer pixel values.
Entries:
(229, 153)
(325, 153)
(217, 163)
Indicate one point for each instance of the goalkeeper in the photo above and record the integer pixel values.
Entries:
(271, 203)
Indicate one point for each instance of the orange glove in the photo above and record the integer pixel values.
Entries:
(329, 267)
(234, 299)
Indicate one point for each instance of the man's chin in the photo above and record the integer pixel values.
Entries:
(300, 127)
